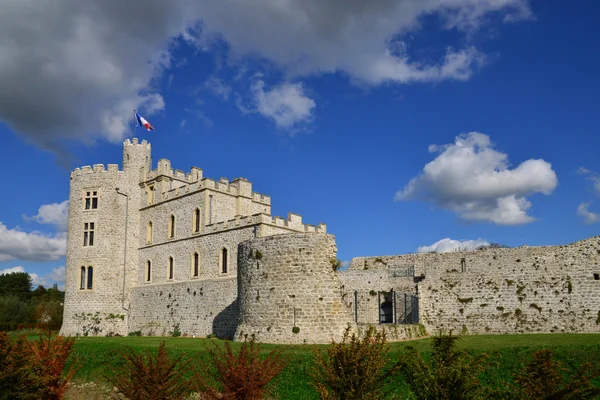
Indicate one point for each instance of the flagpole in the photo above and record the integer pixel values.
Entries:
(134, 126)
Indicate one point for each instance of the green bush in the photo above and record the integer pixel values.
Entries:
(355, 368)
(450, 374)
(543, 378)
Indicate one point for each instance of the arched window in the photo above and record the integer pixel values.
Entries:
(224, 259)
(148, 271)
(172, 227)
(82, 279)
(170, 273)
(196, 266)
(90, 278)
(197, 220)
(149, 233)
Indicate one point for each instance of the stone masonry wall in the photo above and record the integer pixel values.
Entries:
(521, 290)
(287, 281)
(199, 308)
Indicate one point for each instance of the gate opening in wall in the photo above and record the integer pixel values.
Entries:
(381, 307)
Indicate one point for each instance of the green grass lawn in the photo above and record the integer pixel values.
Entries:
(97, 356)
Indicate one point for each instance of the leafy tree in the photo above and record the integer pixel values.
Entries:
(16, 284)
(451, 374)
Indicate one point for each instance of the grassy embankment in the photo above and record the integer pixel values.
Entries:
(97, 356)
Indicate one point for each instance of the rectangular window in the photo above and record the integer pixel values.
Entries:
(86, 281)
(91, 200)
(170, 267)
(463, 265)
(88, 234)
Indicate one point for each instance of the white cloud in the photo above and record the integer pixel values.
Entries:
(355, 37)
(33, 246)
(345, 264)
(218, 87)
(11, 270)
(56, 276)
(448, 245)
(77, 69)
(588, 216)
(591, 176)
(53, 214)
(286, 104)
(474, 180)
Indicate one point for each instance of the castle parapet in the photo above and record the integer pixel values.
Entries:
(112, 169)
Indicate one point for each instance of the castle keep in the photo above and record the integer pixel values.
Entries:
(162, 251)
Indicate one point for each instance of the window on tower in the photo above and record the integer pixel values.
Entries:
(172, 227)
(196, 265)
(88, 233)
(170, 273)
(224, 258)
(91, 199)
(196, 220)
(86, 278)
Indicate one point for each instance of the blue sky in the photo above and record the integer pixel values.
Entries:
(400, 124)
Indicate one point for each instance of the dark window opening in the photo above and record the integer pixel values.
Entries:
(82, 282)
(172, 227)
(197, 220)
(170, 267)
(195, 264)
(463, 265)
(88, 234)
(148, 270)
(597, 277)
(90, 278)
(224, 261)
(91, 200)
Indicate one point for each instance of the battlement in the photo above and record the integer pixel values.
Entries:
(96, 169)
(294, 222)
(194, 181)
(134, 142)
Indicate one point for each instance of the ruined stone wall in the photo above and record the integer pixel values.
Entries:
(198, 308)
(521, 290)
(287, 281)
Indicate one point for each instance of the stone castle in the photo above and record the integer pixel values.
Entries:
(166, 252)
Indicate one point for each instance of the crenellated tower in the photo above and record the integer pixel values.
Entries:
(102, 243)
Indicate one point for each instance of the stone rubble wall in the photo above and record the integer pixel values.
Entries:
(287, 281)
(199, 308)
(522, 290)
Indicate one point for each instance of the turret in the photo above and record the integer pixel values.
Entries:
(102, 241)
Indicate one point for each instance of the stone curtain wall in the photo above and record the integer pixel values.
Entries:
(198, 307)
(287, 281)
(521, 290)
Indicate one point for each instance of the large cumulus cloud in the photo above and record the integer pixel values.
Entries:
(474, 180)
(77, 69)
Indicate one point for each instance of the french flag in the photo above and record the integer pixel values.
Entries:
(142, 122)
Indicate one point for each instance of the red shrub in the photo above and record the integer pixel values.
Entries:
(240, 376)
